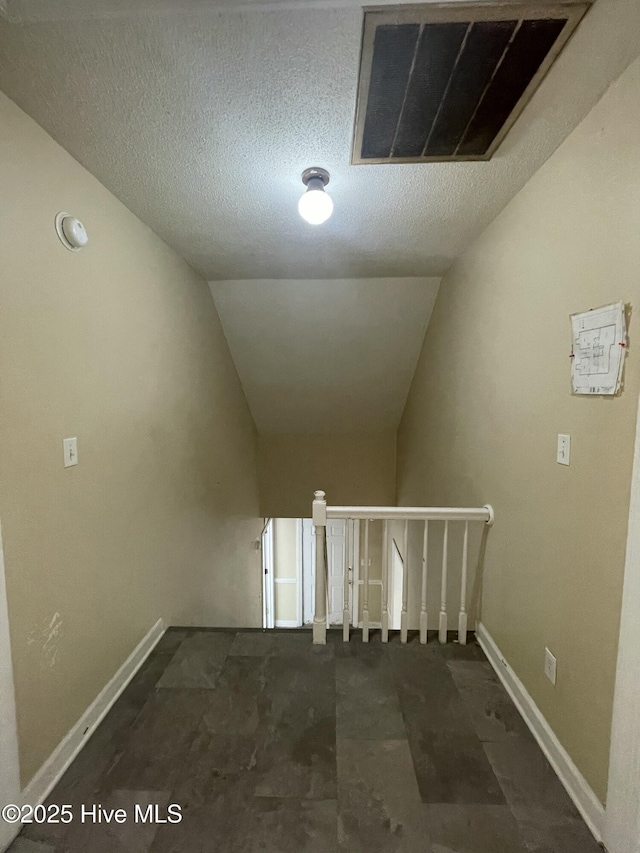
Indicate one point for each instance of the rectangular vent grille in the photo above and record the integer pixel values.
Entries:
(443, 83)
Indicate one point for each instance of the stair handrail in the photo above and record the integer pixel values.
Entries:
(321, 512)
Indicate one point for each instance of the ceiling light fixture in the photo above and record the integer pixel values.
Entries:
(316, 205)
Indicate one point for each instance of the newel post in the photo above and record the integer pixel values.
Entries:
(319, 517)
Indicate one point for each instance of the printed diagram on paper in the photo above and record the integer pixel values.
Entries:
(599, 346)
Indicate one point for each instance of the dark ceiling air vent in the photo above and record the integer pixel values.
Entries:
(445, 82)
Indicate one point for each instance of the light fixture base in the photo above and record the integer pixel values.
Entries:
(315, 172)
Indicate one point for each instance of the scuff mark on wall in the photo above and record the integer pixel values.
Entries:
(48, 633)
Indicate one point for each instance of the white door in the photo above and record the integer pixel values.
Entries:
(9, 768)
(336, 567)
(336, 563)
(308, 570)
(268, 567)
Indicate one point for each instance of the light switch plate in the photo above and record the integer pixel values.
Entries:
(564, 449)
(550, 666)
(70, 448)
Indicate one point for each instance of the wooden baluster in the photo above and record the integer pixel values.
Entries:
(404, 616)
(346, 616)
(320, 609)
(442, 633)
(462, 622)
(423, 601)
(385, 581)
(365, 586)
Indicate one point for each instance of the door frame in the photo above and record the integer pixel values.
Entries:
(622, 818)
(268, 571)
(299, 574)
(10, 791)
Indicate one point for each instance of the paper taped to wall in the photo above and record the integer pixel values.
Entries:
(599, 344)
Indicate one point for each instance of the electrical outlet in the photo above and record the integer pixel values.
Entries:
(550, 666)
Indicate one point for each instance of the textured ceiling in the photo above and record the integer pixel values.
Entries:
(201, 120)
(326, 356)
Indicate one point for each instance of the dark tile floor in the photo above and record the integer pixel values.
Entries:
(270, 744)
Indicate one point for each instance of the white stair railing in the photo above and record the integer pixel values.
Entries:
(365, 596)
(348, 574)
(322, 512)
(320, 609)
(384, 616)
(404, 616)
(442, 627)
(423, 598)
(462, 618)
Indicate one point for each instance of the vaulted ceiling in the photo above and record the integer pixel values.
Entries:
(200, 116)
(328, 356)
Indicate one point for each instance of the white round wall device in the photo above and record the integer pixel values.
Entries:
(71, 231)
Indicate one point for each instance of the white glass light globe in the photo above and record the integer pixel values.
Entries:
(315, 206)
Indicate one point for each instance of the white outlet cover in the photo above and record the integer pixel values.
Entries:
(550, 666)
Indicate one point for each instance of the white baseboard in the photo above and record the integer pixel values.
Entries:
(55, 766)
(577, 786)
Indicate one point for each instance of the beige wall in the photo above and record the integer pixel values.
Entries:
(491, 393)
(351, 469)
(119, 345)
(285, 557)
